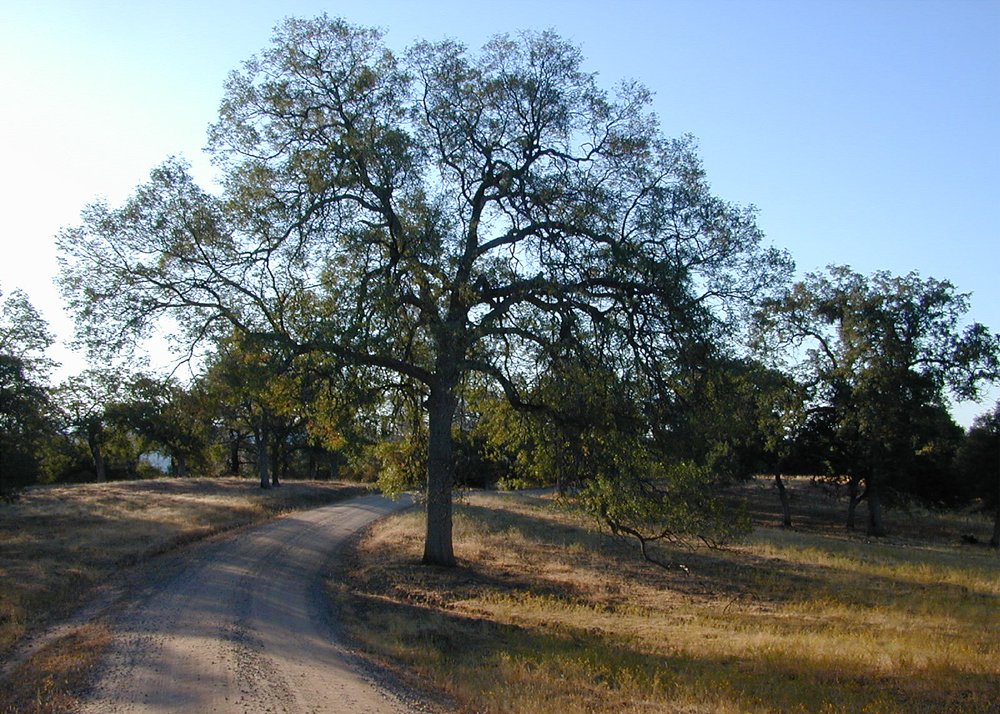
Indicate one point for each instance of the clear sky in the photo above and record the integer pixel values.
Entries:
(867, 132)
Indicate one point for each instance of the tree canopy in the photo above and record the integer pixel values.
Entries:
(24, 335)
(24, 402)
(426, 215)
(879, 354)
(979, 465)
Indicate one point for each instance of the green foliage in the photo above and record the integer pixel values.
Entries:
(25, 336)
(86, 403)
(978, 460)
(26, 423)
(525, 447)
(168, 416)
(879, 354)
(650, 501)
(402, 464)
(300, 408)
(475, 466)
(930, 477)
(590, 436)
(577, 409)
(422, 217)
(736, 417)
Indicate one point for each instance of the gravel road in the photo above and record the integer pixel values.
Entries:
(241, 627)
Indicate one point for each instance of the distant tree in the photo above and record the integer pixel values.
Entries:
(775, 404)
(24, 422)
(219, 385)
(979, 465)
(285, 408)
(168, 415)
(729, 414)
(242, 381)
(25, 335)
(25, 418)
(87, 403)
(431, 215)
(879, 353)
(930, 478)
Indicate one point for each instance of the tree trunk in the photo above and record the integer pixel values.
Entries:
(995, 540)
(852, 504)
(180, 466)
(262, 453)
(234, 453)
(562, 455)
(441, 405)
(262, 465)
(786, 510)
(875, 525)
(99, 465)
(100, 468)
(275, 460)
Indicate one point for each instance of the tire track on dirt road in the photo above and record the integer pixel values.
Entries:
(242, 628)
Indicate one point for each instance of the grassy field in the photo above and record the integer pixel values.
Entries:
(545, 615)
(58, 543)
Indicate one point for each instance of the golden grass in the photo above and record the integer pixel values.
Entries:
(543, 615)
(57, 542)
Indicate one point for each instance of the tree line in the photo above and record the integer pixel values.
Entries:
(443, 266)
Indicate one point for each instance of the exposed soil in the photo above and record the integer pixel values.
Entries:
(235, 624)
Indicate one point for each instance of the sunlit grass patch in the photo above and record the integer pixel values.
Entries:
(544, 614)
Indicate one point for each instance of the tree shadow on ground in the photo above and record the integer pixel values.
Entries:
(406, 608)
(565, 668)
(712, 573)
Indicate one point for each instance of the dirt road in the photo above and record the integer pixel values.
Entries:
(241, 628)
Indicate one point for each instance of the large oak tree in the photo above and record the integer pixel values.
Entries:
(424, 215)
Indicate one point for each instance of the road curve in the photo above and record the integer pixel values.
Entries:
(241, 628)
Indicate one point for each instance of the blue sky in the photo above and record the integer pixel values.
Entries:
(866, 132)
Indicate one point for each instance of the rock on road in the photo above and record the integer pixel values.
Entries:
(242, 628)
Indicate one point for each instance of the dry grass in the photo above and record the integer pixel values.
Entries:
(47, 681)
(57, 542)
(545, 615)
